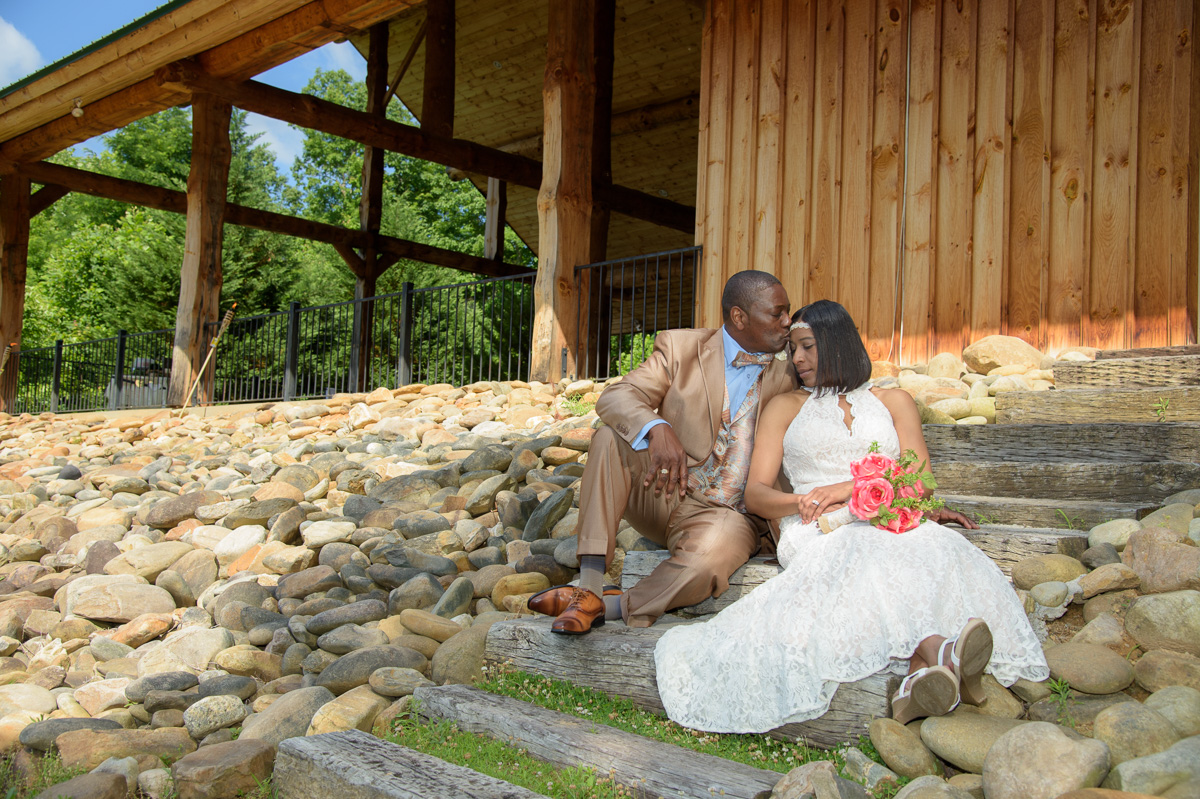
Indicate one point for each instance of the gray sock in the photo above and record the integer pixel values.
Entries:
(612, 607)
(591, 573)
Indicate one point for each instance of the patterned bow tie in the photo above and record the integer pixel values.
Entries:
(753, 358)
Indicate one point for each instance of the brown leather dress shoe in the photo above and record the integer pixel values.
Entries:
(584, 611)
(553, 601)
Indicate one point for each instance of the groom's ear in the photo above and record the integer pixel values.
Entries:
(737, 317)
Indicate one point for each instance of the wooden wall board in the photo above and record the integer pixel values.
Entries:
(797, 209)
(825, 193)
(852, 277)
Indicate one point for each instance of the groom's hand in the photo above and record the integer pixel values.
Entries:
(668, 461)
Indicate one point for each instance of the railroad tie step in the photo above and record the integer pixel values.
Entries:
(1091, 405)
(619, 661)
(645, 766)
(354, 765)
(1081, 514)
(1179, 370)
(1101, 442)
(1111, 482)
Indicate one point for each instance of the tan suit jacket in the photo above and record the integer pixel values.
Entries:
(683, 383)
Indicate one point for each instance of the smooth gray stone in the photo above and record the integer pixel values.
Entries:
(354, 669)
(293, 658)
(419, 523)
(434, 564)
(41, 734)
(420, 592)
(354, 613)
(310, 581)
(456, 599)
(229, 684)
(349, 637)
(485, 556)
(137, 690)
(390, 576)
(286, 717)
(358, 506)
(169, 700)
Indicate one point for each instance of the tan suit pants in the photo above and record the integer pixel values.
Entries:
(707, 542)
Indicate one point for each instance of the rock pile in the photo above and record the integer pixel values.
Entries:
(954, 389)
(285, 570)
(1120, 716)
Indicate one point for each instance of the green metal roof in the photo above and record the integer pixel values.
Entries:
(162, 10)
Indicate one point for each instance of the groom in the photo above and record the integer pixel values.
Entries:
(673, 460)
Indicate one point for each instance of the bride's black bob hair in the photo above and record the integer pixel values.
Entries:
(842, 360)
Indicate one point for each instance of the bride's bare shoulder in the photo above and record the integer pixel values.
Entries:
(788, 404)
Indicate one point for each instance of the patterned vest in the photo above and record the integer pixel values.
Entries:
(722, 478)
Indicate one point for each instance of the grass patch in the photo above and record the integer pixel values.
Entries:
(442, 739)
(50, 771)
(576, 406)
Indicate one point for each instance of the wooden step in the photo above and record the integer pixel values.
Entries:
(1048, 443)
(1179, 370)
(1078, 514)
(355, 765)
(1004, 544)
(644, 766)
(1114, 482)
(1091, 405)
(1150, 352)
(619, 661)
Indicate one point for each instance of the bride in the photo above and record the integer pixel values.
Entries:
(857, 600)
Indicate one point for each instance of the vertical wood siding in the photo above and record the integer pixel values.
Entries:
(950, 169)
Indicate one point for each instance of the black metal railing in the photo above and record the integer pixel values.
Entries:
(624, 303)
(128, 370)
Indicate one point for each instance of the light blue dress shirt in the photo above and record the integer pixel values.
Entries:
(738, 380)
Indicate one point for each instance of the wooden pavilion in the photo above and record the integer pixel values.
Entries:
(946, 169)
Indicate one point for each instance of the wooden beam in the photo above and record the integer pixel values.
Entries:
(200, 279)
(14, 256)
(437, 98)
(45, 197)
(595, 322)
(268, 45)
(493, 226)
(317, 114)
(406, 61)
(176, 202)
(565, 199)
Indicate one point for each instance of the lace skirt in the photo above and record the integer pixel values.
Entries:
(847, 605)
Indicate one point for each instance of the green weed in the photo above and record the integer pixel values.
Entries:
(1160, 408)
(1070, 522)
(576, 406)
(1060, 692)
(985, 518)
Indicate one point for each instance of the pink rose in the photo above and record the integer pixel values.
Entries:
(869, 496)
(910, 492)
(873, 465)
(906, 519)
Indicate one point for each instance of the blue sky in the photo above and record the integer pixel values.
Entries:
(34, 34)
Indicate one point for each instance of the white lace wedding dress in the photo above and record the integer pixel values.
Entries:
(847, 605)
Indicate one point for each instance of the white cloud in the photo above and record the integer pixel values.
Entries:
(344, 56)
(18, 56)
(285, 141)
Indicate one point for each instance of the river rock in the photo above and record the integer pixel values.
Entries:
(1089, 668)
(190, 649)
(456, 600)
(1039, 761)
(89, 748)
(1166, 621)
(354, 669)
(137, 690)
(1115, 532)
(121, 602)
(229, 685)
(902, 749)
(459, 661)
(287, 717)
(309, 581)
(350, 637)
(1174, 774)
(1133, 730)
(1109, 577)
(355, 709)
(397, 682)
(96, 697)
(41, 734)
(429, 625)
(233, 768)
(318, 534)
(963, 739)
(212, 713)
(167, 513)
(88, 786)
(1037, 569)
(1180, 705)
(149, 561)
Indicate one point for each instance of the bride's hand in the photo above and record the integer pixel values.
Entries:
(823, 499)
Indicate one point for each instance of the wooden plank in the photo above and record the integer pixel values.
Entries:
(200, 278)
(920, 224)
(955, 179)
(565, 198)
(826, 193)
(1193, 191)
(1089, 405)
(355, 765)
(743, 137)
(993, 144)
(14, 258)
(1070, 173)
(1149, 352)
(1007, 545)
(887, 169)
(495, 206)
(1181, 370)
(853, 276)
(796, 217)
(1119, 482)
(765, 246)
(1070, 443)
(1114, 147)
(1030, 168)
(642, 765)
(1022, 512)
(437, 104)
(714, 161)
(1181, 328)
(1156, 243)
(619, 661)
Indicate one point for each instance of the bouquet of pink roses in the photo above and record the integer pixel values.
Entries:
(887, 493)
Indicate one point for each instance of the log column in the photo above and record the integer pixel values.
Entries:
(14, 255)
(565, 199)
(200, 279)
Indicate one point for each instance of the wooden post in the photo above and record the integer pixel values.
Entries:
(493, 229)
(14, 254)
(200, 279)
(565, 199)
(595, 339)
(370, 209)
(437, 101)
